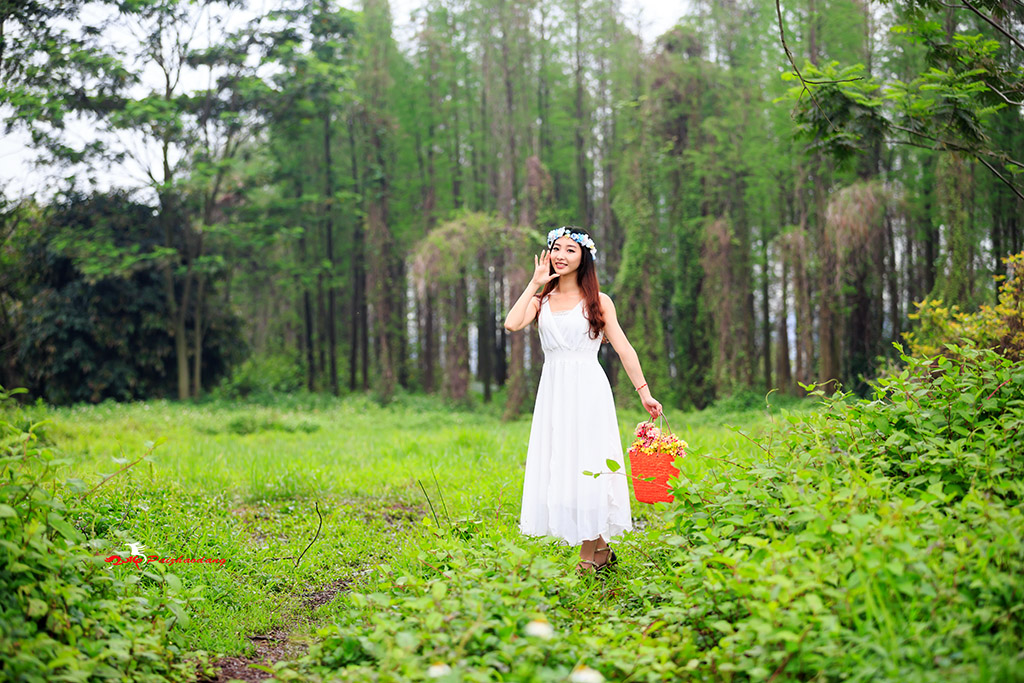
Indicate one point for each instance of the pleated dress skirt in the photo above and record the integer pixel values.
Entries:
(574, 429)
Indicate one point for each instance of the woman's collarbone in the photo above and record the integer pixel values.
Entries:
(563, 310)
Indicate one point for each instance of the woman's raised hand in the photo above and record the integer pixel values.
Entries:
(542, 269)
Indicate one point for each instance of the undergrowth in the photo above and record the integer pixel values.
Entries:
(875, 539)
(64, 615)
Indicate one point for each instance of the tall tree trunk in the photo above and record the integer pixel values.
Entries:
(509, 170)
(321, 325)
(176, 309)
(456, 157)
(931, 233)
(456, 375)
(332, 329)
(517, 380)
(543, 94)
(804, 321)
(812, 32)
(893, 278)
(582, 199)
(307, 305)
(766, 323)
(500, 340)
(379, 241)
(357, 304)
(829, 369)
(430, 188)
(485, 333)
(197, 350)
(782, 368)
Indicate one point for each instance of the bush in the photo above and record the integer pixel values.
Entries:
(263, 376)
(91, 320)
(878, 539)
(999, 327)
(64, 614)
(881, 540)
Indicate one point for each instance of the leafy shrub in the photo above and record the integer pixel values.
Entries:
(880, 540)
(462, 618)
(64, 614)
(263, 376)
(93, 320)
(249, 424)
(999, 327)
(877, 539)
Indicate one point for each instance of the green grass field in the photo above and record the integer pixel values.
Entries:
(240, 482)
(836, 540)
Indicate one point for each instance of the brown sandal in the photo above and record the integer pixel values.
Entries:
(609, 563)
(582, 571)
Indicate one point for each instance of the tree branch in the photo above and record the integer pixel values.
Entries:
(789, 55)
(298, 559)
(993, 24)
(1000, 176)
(1003, 95)
(1013, 188)
(959, 148)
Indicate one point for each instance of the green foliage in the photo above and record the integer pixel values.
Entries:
(879, 540)
(264, 375)
(999, 327)
(840, 111)
(637, 292)
(95, 320)
(873, 540)
(950, 105)
(465, 245)
(64, 614)
(249, 424)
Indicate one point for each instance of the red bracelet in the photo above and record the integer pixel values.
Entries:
(641, 386)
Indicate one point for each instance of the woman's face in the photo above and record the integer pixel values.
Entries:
(566, 255)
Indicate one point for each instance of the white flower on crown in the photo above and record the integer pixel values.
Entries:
(578, 237)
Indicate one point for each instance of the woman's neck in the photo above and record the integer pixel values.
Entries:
(568, 286)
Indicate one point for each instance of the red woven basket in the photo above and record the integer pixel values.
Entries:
(657, 465)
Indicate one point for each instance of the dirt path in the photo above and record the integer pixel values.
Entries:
(290, 640)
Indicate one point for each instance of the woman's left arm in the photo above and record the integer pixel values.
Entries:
(627, 354)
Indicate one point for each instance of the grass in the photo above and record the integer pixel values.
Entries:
(243, 482)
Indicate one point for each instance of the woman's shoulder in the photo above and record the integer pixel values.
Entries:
(607, 307)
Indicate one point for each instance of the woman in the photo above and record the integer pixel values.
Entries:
(574, 425)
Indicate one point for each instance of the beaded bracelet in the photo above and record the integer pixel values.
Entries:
(641, 386)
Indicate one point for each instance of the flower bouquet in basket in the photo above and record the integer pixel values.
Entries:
(651, 456)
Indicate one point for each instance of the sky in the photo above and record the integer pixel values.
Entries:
(19, 177)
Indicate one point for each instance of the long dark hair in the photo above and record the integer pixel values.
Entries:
(586, 278)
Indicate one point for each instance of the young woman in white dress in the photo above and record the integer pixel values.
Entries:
(574, 425)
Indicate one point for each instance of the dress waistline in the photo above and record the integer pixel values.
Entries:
(579, 356)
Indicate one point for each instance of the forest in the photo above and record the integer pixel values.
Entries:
(294, 198)
(260, 416)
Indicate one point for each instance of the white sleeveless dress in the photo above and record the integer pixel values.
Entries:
(574, 429)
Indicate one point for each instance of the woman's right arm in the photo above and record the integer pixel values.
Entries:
(527, 307)
(524, 311)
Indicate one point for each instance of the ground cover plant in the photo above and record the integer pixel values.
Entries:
(872, 540)
(346, 485)
(868, 539)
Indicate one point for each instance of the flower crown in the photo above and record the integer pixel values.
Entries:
(582, 239)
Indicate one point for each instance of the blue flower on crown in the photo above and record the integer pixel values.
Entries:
(578, 237)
